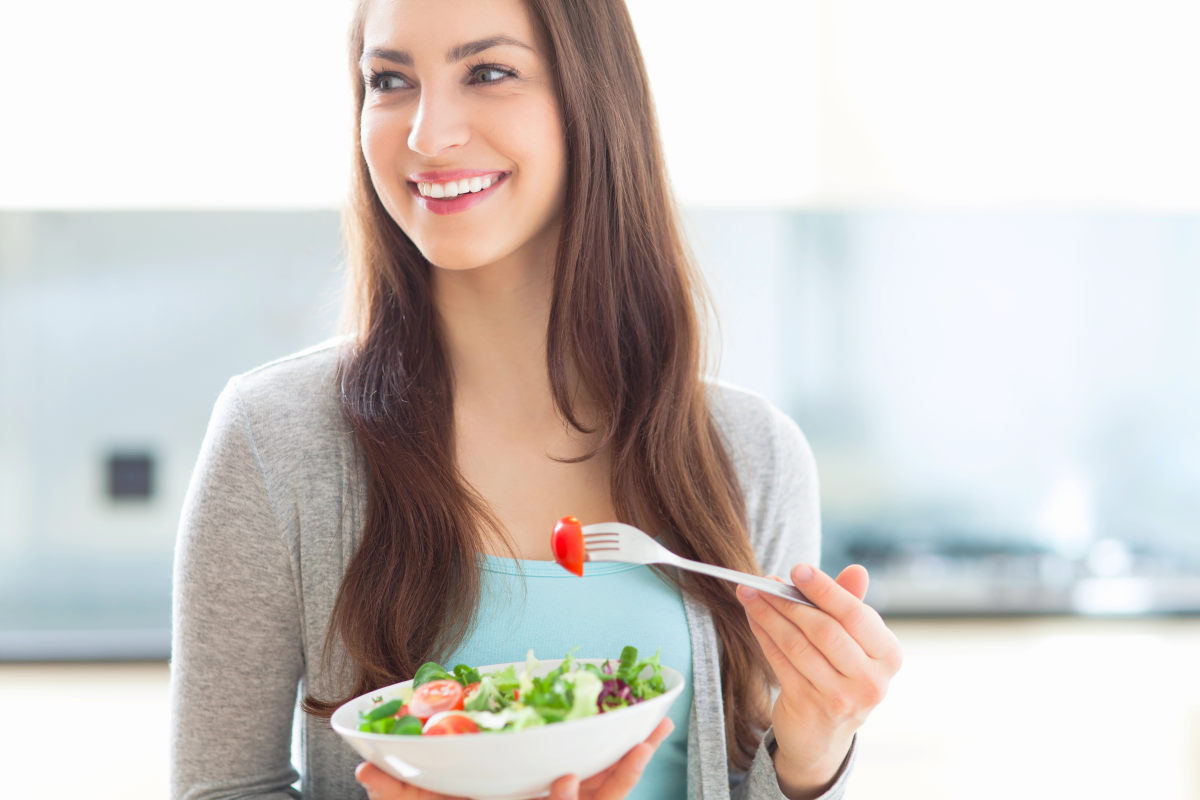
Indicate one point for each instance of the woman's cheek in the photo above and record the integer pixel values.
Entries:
(379, 146)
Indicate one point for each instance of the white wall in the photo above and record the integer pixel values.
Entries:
(132, 103)
(799, 103)
(1012, 103)
(737, 88)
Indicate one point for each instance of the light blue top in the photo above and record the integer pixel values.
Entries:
(612, 605)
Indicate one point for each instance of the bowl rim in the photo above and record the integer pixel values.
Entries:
(672, 677)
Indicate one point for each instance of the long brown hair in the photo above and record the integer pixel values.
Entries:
(623, 321)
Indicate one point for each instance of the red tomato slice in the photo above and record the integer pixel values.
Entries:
(403, 712)
(567, 544)
(435, 696)
(450, 725)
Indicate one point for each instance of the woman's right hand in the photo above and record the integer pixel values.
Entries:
(613, 783)
(381, 786)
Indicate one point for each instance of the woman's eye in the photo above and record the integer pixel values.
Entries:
(489, 75)
(386, 82)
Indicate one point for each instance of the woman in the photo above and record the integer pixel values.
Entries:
(526, 347)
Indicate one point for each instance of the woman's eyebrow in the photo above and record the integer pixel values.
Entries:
(457, 53)
(479, 45)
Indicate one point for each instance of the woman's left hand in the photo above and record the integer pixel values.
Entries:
(833, 663)
(619, 779)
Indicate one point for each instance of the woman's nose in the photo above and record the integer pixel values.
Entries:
(440, 124)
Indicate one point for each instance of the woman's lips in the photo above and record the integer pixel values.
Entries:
(454, 205)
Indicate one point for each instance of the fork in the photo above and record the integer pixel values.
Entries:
(616, 541)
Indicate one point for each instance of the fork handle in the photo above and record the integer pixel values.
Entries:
(785, 590)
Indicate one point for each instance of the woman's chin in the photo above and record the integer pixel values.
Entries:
(456, 259)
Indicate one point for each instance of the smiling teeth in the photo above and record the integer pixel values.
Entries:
(455, 188)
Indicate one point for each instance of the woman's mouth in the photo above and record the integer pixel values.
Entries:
(451, 193)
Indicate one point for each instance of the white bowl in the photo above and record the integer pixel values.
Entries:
(510, 765)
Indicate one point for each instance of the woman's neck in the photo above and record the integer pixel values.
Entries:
(509, 434)
(494, 322)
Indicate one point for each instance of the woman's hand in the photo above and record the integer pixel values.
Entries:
(381, 786)
(613, 783)
(833, 663)
(619, 779)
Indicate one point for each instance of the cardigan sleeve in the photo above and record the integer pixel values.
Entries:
(783, 508)
(761, 783)
(236, 658)
(785, 526)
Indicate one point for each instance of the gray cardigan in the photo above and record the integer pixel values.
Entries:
(271, 518)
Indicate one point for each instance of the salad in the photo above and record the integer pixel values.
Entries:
(447, 702)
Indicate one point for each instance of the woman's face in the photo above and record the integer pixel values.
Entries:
(461, 129)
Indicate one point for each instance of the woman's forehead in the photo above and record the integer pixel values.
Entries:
(424, 25)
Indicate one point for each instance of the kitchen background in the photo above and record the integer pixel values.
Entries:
(958, 243)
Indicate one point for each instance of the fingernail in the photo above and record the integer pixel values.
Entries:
(746, 594)
(802, 572)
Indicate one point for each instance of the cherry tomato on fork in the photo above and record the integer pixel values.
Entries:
(567, 544)
(435, 696)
